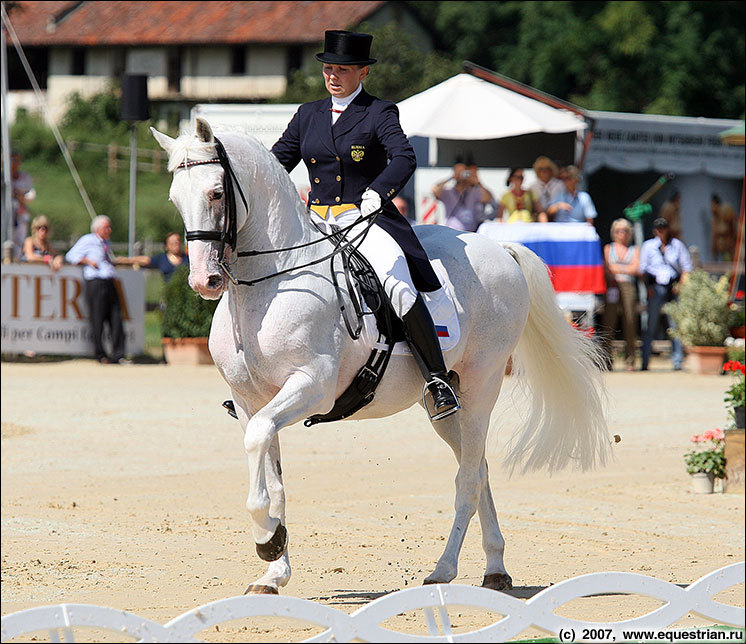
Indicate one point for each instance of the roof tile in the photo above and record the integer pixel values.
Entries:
(104, 23)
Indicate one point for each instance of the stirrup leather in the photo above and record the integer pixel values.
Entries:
(434, 414)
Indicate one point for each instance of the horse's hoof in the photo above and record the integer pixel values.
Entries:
(497, 581)
(275, 547)
(431, 582)
(261, 589)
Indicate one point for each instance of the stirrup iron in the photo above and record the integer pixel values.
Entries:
(435, 415)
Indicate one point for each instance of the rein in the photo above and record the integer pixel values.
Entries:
(229, 233)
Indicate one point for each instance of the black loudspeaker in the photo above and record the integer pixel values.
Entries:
(135, 104)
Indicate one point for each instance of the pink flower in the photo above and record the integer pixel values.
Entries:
(718, 434)
(696, 438)
(708, 435)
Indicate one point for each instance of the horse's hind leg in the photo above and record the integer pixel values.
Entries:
(493, 543)
(466, 434)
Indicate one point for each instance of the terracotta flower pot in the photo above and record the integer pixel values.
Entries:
(186, 351)
(706, 360)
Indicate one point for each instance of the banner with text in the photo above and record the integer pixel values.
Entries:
(46, 312)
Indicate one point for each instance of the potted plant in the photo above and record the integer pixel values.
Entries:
(703, 316)
(737, 329)
(734, 396)
(706, 462)
(186, 321)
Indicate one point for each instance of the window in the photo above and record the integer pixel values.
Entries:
(238, 60)
(174, 69)
(294, 60)
(77, 62)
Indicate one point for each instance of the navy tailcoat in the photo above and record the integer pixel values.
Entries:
(365, 148)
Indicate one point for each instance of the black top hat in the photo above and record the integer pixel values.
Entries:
(346, 48)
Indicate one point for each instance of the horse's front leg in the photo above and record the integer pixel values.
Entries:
(301, 395)
(278, 572)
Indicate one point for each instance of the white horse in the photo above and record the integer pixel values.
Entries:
(283, 349)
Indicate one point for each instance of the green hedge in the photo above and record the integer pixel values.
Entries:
(186, 314)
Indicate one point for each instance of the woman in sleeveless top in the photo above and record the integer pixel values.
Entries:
(36, 247)
(517, 204)
(621, 261)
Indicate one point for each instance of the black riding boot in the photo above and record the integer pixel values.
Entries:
(423, 340)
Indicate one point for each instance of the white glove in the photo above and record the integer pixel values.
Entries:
(371, 202)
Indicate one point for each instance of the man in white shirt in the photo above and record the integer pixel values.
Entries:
(664, 262)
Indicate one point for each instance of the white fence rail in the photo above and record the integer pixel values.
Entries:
(365, 623)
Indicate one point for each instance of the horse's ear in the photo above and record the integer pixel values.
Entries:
(204, 131)
(165, 141)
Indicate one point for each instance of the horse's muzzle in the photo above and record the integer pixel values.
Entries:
(211, 287)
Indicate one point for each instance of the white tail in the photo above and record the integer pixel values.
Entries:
(559, 367)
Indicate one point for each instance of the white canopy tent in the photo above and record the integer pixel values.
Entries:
(468, 108)
(468, 118)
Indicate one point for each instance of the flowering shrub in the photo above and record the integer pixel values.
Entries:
(708, 454)
(702, 312)
(734, 396)
(735, 349)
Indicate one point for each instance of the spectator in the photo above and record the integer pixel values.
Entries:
(723, 244)
(465, 200)
(403, 207)
(173, 257)
(36, 247)
(546, 187)
(664, 262)
(517, 204)
(621, 264)
(23, 193)
(93, 253)
(671, 212)
(572, 205)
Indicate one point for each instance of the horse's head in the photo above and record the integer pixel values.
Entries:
(199, 191)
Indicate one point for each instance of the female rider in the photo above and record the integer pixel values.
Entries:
(358, 159)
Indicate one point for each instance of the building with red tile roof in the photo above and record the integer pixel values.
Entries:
(192, 52)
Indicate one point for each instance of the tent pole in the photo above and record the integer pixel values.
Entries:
(7, 180)
(432, 151)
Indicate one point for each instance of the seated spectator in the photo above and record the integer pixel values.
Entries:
(546, 187)
(572, 205)
(36, 247)
(517, 204)
(465, 200)
(621, 263)
(173, 257)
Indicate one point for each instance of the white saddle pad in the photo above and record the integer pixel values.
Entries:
(443, 311)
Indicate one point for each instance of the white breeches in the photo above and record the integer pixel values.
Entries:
(384, 255)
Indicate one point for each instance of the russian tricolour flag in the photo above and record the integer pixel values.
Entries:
(571, 251)
(442, 331)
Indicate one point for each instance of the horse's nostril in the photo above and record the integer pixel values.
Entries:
(215, 281)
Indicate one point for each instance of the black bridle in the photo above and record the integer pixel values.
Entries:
(230, 221)
(228, 235)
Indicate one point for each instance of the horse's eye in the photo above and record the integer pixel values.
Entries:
(216, 194)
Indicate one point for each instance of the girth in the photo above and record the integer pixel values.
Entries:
(362, 389)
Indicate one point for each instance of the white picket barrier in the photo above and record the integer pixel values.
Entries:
(365, 623)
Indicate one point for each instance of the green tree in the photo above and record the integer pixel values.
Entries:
(680, 58)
